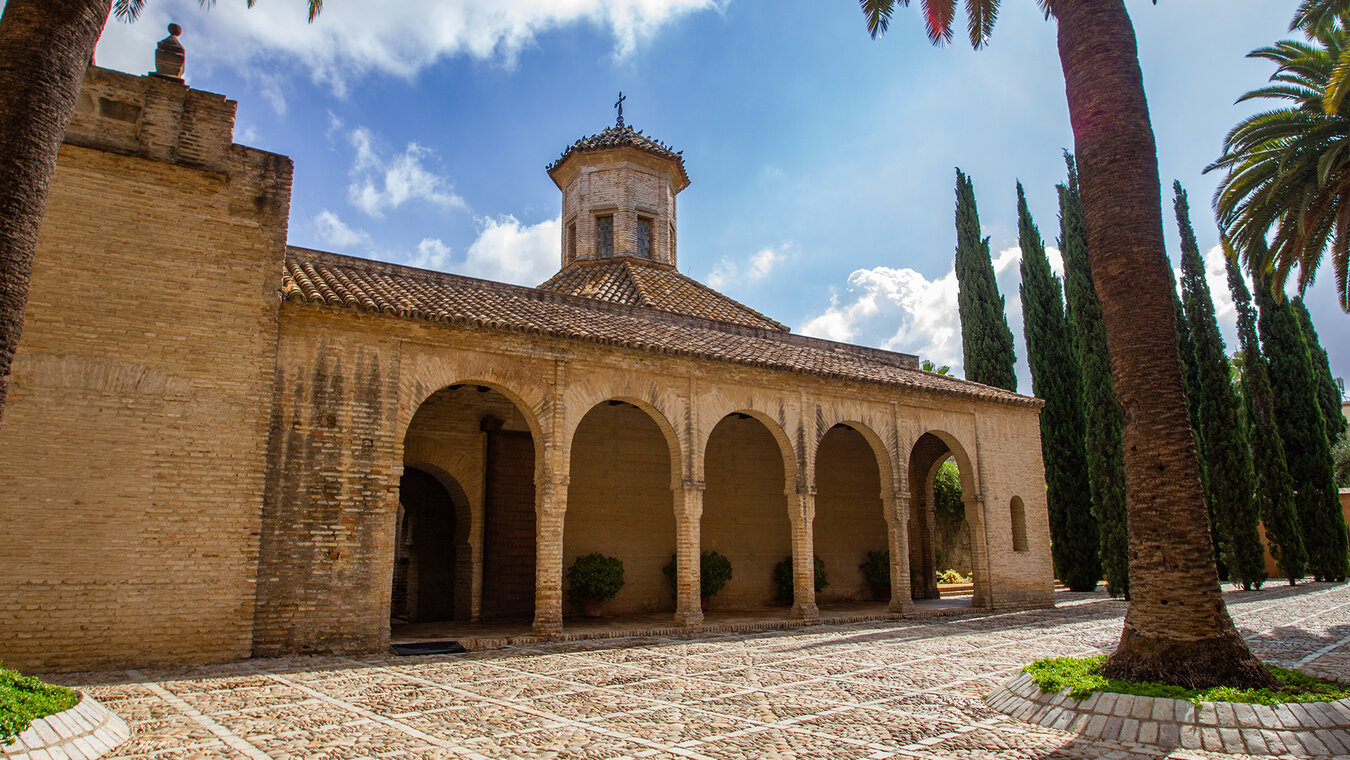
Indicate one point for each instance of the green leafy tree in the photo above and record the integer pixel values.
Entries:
(1055, 377)
(986, 341)
(1101, 412)
(927, 365)
(1328, 395)
(1177, 629)
(1303, 432)
(45, 47)
(1288, 169)
(1223, 441)
(1274, 492)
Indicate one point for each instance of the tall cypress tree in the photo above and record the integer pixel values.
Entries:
(1190, 377)
(1274, 494)
(1223, 442)
(1304, 434)
(1055, 377)
(1328, 396)
(1101, 412)
(986, 341)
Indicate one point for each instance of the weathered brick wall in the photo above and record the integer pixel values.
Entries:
(326, 556)
(624, 183)
(1009, 467)
(132, 450)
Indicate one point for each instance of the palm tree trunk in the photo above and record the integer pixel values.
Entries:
(45, 47)
(1177, 629)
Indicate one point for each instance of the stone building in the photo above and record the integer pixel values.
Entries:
(218, 446)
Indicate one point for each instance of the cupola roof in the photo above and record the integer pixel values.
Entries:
(623, 136)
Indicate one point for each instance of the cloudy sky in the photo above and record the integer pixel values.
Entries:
(822, 161)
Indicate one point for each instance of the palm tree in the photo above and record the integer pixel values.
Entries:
(927, 365)
(45, 46)
(1289, 168)
(1177, 629)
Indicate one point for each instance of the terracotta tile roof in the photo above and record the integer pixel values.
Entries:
(344, 282)
(640, 282)
(622, 137)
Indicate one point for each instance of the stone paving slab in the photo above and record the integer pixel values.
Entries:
(912, 688)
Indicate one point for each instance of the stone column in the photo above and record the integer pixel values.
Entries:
(979, 552)
(688, 519)
(897, 529)
(802, 513)
(550, 505)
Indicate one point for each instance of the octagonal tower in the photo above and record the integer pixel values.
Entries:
(619, 190)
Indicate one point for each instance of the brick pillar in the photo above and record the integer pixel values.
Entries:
(688, 515)
(979, 552)
(550, 507)
(802, 512)
(897, 530)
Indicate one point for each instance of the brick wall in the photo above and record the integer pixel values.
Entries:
(849, 517)
(132, 451)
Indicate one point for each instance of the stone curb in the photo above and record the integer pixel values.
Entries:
(1307, 729)
(84, 732)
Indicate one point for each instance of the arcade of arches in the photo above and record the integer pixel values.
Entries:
(468, 546)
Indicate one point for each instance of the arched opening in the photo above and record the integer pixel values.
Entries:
(940, 530)
(745, 515)
(619, 503)
(1019, 525)
(473, 442)
(425, 566)
(850, 520)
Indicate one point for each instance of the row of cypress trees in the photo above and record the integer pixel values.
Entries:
(1249, 468)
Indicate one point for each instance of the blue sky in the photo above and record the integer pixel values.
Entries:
(822, 161)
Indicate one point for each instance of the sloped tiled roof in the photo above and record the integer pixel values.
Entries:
(620, 136)
(344, 282)
(640, 282)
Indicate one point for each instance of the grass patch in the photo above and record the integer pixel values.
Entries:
(1081, 676)
(24, 699)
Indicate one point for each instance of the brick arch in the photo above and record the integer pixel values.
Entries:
(674, 444)
(927, 454)
(527, 411)
(461, 547)
(885, 465)
(786, 449)
(852, 490)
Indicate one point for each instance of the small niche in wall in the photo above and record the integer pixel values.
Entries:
(1019, 525)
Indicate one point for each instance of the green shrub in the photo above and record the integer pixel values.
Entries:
(951, 576)
(1081, 676)
(877, 568)
(24, 699)
(782, 579)
(947, 503)
(714, 571)
(594, 576)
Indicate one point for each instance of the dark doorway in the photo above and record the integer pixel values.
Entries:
(508, 527)
(424, 560)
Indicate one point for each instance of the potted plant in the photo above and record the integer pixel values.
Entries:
(782, 579)
(877, 572)
(592, 580)
(714, 571)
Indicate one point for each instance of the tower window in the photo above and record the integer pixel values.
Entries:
(644, 238)
(572, 241)
(604, 236)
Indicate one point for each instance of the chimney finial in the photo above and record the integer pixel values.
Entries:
(170, 57)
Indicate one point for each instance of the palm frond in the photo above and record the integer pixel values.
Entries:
(938, 16)
(128, 10)
(878, 15)
(981, 15)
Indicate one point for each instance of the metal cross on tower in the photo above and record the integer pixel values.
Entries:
(619, 105)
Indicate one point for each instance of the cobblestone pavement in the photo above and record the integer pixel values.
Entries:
(910, 689)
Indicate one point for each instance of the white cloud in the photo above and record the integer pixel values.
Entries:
(508, 251)
(335, 125)
(1216, 275)
(897, 309)
(399, 37)
(431, 254)
(760, 265)
(333, 231)
(382, 182)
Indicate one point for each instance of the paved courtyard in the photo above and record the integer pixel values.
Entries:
(910, 689)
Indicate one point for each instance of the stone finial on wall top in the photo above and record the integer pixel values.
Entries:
(170, 57)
